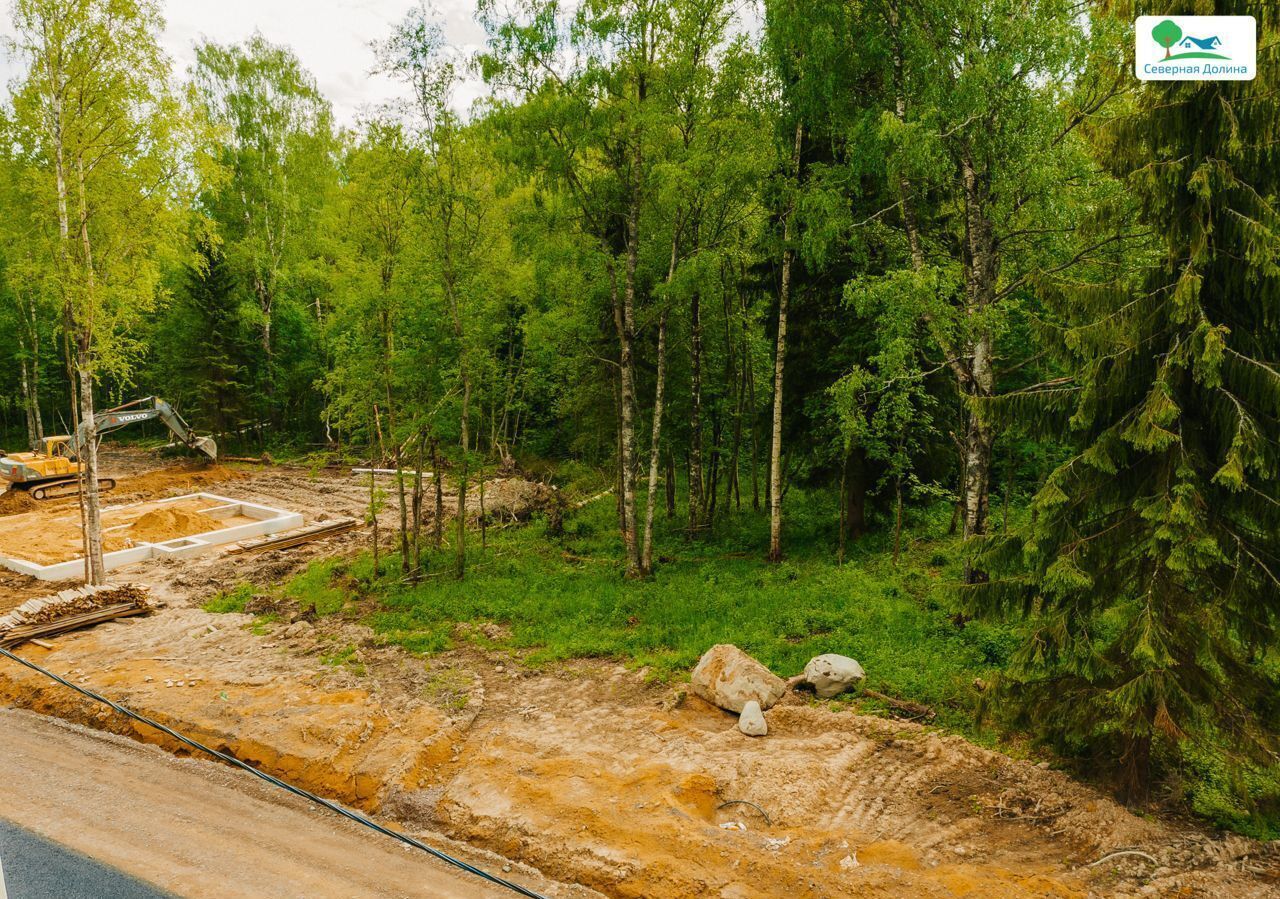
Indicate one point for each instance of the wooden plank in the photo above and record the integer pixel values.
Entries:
(297, 538)
(388, 471)
(70, 623)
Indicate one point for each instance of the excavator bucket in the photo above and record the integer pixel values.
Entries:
(208, 446)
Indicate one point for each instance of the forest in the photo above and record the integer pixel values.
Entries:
(884, 286)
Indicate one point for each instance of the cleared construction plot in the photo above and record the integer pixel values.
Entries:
(47, 545)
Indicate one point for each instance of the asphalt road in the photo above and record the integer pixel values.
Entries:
(92, 815)
(32, 867)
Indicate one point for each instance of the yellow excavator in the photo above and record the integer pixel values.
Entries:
(54, 472)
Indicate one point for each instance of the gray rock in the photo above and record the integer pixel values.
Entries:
(831, 674)
(751, 722)
(729, 678)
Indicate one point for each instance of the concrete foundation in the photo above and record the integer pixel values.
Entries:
(266, 521)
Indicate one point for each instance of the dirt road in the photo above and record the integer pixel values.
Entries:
(196, 828)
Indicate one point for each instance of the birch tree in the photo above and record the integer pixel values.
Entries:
(95, 108)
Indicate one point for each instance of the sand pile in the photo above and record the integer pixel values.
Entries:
(169, 523)
(179, 479)
(15, 502)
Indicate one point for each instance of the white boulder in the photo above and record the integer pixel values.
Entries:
(831, 674)
(751, 722)
(729, 678)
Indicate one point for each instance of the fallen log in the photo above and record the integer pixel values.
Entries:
(590, 499)
(913, 709)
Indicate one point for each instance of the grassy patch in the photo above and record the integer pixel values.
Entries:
(317, 587)
(345, 657)
(263, 624)
(233, 600)
(566, 598)
(449, 688)
(556, 598)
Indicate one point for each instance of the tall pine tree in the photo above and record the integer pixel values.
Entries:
(1151, 567)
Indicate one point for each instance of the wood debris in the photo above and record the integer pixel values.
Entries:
(296, 538)
(70, 610)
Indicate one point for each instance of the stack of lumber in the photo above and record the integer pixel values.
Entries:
(70, 610)
(296, 538)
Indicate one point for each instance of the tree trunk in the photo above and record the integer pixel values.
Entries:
(373, 519)
(405, 567)
(755, 440)
(437, 527)
(616, 298)
(981, 271)
(695, 414)
(417, 507)
(627, 359)
(29, 346)
(655, 449)
(784, 293)
(30, 405)
(841, 534)
(671, 484)
(897, 520)
(854, 478)
(88, 457)
(713, 472)
(733, 490)
(461, 549)
(84, 369)
(484, 528)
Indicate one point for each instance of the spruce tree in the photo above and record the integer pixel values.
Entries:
(1150, 572)
(212, 367)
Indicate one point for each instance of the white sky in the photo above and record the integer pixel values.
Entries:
(330, 37)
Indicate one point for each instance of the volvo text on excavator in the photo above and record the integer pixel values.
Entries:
(55, 472)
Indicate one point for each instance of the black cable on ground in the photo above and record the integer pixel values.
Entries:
(275, 781)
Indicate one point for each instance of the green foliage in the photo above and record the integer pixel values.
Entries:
(345, 657)
(318, 588)
(1150, 562)
(1012, 271)
(233, 600)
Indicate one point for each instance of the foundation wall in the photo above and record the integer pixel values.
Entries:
(267, 521)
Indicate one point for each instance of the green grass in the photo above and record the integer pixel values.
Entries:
(315, 588)
(566, 598)
(233, 600)
(345, 657)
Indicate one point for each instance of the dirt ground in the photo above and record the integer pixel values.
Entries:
(173, 822)
(48, 537)
(593, 775)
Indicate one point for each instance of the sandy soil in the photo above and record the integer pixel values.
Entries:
(177, 823)
(50, 536)
(593, 775)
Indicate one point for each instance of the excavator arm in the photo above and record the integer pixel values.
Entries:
(55, 473)
(139, 411)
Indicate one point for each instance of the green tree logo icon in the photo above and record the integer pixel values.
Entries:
(1167, 33)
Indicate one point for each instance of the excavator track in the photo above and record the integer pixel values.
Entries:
(68, 488)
